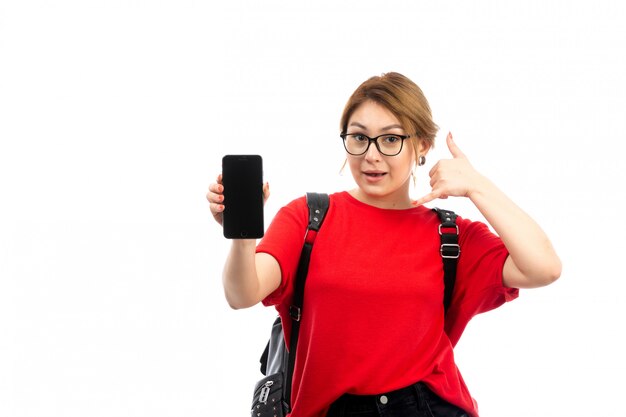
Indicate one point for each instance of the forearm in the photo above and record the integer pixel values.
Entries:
(528, 245)
(241, 283)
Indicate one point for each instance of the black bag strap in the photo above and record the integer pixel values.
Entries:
(318, 206)
(449, 250)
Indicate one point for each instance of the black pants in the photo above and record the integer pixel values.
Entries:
(413, 401)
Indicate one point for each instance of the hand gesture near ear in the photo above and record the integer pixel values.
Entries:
(452, 177)
(532, 261)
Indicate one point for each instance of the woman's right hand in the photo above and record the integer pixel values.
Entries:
(215, 196)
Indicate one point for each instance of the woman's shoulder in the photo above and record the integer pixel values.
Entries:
(300, 203)
(298, 206)
(471, 230)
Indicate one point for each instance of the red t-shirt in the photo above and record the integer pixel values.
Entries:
(373, 318)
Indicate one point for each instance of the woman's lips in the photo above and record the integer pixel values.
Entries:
(374, 176)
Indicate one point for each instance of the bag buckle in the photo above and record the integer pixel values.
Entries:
(265, 392)
(448, 227)
(450, 250)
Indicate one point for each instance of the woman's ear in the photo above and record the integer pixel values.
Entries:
(423, 147)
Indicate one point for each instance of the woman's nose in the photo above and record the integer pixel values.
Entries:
(372, 153)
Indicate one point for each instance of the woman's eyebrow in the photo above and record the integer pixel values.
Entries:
(357, 124)
(394, 126)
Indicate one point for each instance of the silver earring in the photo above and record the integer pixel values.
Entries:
(421, 160)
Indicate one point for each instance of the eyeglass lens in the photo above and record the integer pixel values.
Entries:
(357, 144)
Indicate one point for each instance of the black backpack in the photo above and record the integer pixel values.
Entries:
(272, 394)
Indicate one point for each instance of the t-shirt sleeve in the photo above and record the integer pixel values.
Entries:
(283, 240)
(479, 286)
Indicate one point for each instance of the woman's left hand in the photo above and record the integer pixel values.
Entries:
(532, 261)
(454, 177)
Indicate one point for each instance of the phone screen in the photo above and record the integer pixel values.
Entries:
(242, 176)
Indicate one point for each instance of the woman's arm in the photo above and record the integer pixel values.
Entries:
(532, 260)
(248, 277)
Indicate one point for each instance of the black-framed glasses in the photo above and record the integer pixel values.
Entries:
(357, 143)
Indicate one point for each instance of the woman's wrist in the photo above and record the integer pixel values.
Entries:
(482, 188)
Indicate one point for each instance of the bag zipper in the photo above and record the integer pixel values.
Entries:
(265, 392)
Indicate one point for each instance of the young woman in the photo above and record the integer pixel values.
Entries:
(374, 339)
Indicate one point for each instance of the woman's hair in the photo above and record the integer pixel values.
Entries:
(404, 99)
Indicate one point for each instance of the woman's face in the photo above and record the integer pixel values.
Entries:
(383, 181)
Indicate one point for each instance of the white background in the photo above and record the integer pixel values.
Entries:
(114, 116)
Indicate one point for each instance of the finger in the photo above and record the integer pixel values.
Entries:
(214, 198)
(425, 199)
(266, 191)
(452, 146)
(216, 208)
(219, 179)
(434, 179)
(216, 188)
(434, 169)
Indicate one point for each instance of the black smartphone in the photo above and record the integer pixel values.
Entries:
(242, 176)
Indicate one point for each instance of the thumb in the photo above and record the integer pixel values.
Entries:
(266, 191)
(454, 149)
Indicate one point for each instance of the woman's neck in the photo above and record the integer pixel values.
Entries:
(398, 201)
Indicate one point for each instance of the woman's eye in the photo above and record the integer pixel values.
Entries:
(359, 138)
(391, 139)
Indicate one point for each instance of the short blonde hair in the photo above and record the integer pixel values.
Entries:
(404, 99)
